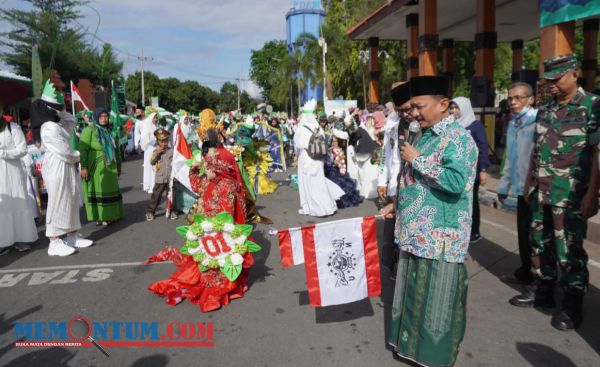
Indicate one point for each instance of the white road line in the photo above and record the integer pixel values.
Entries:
(591, 262)
(505, 228)
(86, 266)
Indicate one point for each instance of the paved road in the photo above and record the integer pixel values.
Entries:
(273, 325)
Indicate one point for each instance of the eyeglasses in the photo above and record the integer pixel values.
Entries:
(516, 98)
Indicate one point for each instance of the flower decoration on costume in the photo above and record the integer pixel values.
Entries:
(218, 243)
(197, 158)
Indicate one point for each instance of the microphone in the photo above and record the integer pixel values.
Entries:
(413, 130)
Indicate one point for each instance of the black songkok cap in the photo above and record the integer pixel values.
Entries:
(401, 94)
(429, 86)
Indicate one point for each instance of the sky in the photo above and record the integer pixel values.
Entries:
(209, 41)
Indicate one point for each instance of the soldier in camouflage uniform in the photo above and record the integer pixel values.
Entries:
(563, 188)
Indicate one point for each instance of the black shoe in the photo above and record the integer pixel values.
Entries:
(525, 299)
(570, 316)
(540, 297)
(475, 237)
(563, 322)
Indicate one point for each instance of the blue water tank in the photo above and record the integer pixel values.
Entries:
(305, 17)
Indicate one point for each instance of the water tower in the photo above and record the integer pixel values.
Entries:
(305, 16)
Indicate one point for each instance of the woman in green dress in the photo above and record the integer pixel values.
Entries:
(100, 169)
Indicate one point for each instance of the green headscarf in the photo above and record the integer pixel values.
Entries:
(105, 137)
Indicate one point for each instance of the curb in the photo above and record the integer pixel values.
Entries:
(490, 198)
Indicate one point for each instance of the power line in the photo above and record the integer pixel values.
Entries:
(176, 67)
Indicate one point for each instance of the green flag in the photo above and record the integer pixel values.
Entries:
(36, 72)
(115, 116)
(74, 140)
(558, 11)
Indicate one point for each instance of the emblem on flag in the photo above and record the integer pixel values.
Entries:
(342, 263)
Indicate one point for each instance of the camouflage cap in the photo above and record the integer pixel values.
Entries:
(556, 67)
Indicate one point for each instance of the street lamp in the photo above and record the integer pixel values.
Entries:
(323, 44)
(99, 18)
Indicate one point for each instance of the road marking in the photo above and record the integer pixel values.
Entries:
(86, 266)
(505, 228)
(591, 262)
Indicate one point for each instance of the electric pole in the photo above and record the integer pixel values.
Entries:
(238, 93)
(142, 59)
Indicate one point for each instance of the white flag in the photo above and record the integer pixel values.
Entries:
(341, 259)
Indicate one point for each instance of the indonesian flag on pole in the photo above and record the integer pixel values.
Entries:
(75, 96)
(290, 247)
(181, 153)
(341, 259)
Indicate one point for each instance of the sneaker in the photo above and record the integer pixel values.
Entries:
(301, 212)
(58, 247)
(476, 237)
(22, 247)
(75, 240)
(173, 216)
(149, 217)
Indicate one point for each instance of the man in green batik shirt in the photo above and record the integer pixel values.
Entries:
(563, 187)
(435, 196)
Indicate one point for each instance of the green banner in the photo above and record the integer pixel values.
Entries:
(36, 72)
(559, 11)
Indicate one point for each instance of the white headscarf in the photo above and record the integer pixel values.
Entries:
(185, 128)
(467, 117)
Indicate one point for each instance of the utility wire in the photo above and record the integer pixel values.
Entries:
(176, 67)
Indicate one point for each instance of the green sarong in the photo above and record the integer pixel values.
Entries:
(101, 193)
(429, 312)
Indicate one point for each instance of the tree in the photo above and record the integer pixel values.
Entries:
(133, 86)
(264, 62)
(229, 97)
(60, 46)
(172, 94)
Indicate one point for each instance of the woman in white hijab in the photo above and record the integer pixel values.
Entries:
(463, 112)
(317, 193)
(148, 143)
(17, 223)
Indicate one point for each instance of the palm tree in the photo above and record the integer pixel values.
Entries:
(306, 53)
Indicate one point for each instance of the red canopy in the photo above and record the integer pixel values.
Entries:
(13, 88)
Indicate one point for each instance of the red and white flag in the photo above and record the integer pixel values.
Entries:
(290, 247)
(76, 96)
(179, 170)
(181, 153)
(341, 259)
